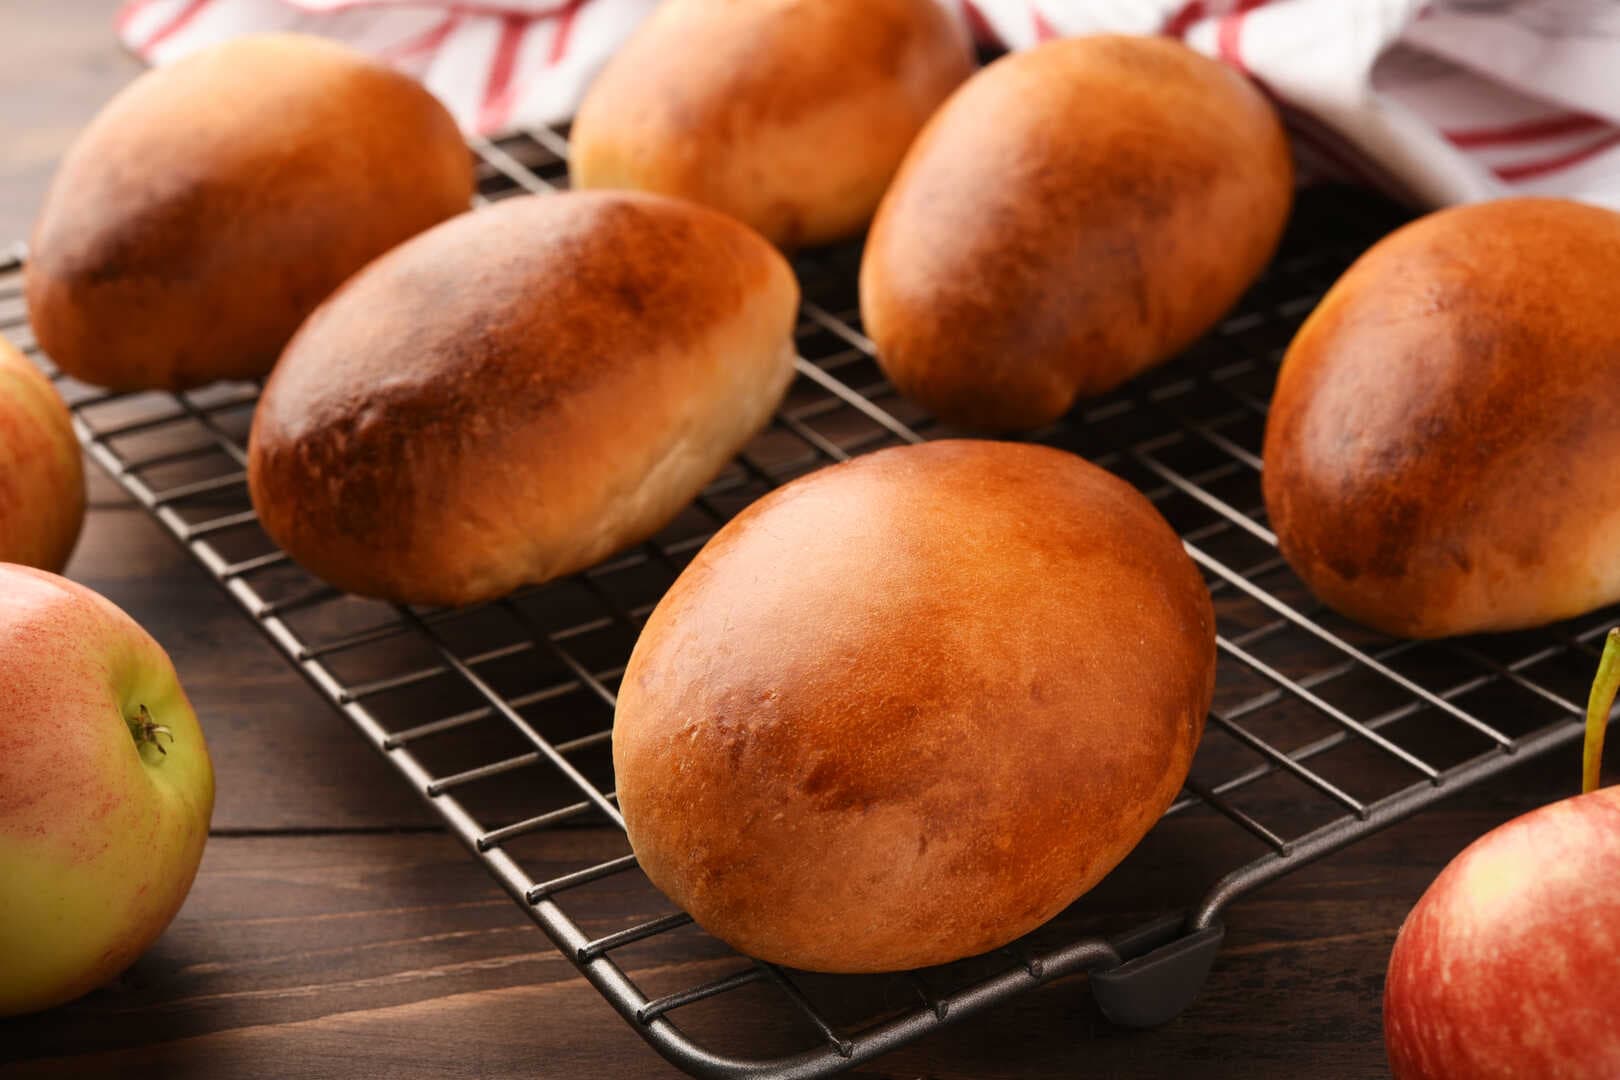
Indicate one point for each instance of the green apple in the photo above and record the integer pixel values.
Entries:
(41, 470)
(106, 790)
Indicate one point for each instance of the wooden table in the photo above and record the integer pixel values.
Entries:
(334, 930)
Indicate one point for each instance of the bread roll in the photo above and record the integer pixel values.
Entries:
(519, 392)
(213, 203)
(1442, 454)
(791, 115)
(1072, 216)
(907, 708)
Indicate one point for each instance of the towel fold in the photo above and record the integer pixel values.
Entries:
(1435, 102)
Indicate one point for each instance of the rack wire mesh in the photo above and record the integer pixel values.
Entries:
(499, 715)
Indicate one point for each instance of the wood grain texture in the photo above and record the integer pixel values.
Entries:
(372, 955)
(333, 932)
(60, 66)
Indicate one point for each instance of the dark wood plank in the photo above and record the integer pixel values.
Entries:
(61, 65)
(302, 954)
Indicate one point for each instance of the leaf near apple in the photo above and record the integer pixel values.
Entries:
(106, 790)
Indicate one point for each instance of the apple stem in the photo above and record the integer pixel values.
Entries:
(1598, 707)
(145, 730)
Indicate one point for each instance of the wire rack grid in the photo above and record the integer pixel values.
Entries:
(499, 715)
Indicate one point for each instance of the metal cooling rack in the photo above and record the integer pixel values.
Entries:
(499, 714)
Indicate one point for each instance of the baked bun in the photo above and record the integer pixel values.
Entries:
(907, 708)
(1442, 453)
(214, 202)
(518, 393)
(790, 115)
(1072, 216)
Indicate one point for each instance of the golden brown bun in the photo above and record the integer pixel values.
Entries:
(1073, 215)
(791, 115)
(907, 708)
(1443, 449)
(213, 203)
(518, 393)
(41, 469)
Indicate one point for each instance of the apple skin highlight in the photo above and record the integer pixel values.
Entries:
(100, 834)
(1509, 965)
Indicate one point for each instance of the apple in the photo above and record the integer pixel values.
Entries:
(1509, 965)
(106, 790)
(41, 470)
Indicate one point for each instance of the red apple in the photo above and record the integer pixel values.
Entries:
(1509, 965)
(41, 471)
(105, 790)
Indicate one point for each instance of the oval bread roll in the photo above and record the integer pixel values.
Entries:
(791, 115)
(518, 393)
(214, 202)
(1442, 452)
(907, 708)
(1072, 216)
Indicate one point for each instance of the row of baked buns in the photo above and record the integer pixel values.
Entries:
(906, 708)
(447, 417)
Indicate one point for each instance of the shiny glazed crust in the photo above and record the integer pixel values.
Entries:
(518, 393)
(1072, 216)
(907, 708)
(1443, 449)
(791, 115)
(214, 202)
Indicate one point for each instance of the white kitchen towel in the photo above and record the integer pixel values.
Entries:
(1436, 102)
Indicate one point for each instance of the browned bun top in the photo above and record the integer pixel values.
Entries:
(518, 392)
(907, 708)
(1443, 449)
(1073, 215)
(214, 202)
(791, 115)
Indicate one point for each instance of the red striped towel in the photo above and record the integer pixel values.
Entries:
(1440, 101)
